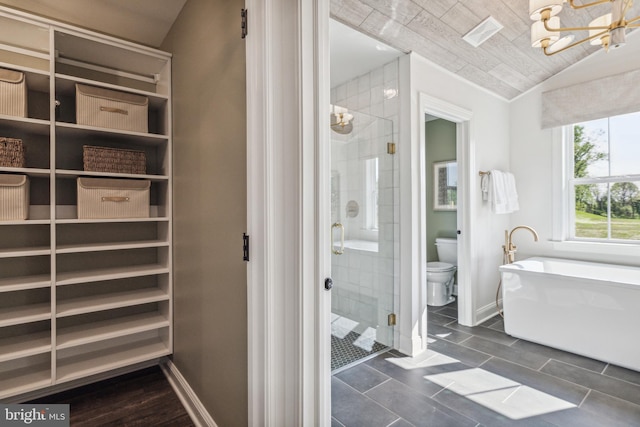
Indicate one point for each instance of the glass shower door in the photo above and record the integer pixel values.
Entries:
(363, 238)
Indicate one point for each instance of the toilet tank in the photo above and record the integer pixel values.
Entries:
(447, 250)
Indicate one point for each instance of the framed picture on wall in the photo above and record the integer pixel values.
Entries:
(445, 192)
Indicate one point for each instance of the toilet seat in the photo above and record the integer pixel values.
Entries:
(437, 266)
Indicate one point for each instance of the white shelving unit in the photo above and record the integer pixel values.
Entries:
(79, 297)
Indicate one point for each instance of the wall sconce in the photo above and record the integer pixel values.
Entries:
(341, 120)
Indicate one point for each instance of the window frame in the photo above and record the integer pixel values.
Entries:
(569, 183)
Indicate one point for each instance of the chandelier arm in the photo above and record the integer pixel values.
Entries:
(637, 18)
(627, 5)
(548, 28)
(573, 44)
(582, 6)
(634, 25)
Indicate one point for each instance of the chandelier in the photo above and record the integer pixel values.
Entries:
(607, 30)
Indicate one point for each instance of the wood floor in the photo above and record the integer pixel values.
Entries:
(142, 398)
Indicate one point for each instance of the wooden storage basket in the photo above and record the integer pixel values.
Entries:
(11, 153)
(117, 160)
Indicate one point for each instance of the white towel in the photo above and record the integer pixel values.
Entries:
(502, 192)
(512, 194)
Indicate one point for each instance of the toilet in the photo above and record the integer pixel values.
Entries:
(441, 273)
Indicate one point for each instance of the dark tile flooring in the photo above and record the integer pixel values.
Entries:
(482, 377)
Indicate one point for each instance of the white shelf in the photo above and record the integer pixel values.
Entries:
(108, 329)
(26, 222)
(66, 85)
(63, 173)
(65, 129)
(100, 221)
(24, 380)
(26, 282)
(37, 126)
(100, 361)
(99, 275)
(25, 252)
(34, 172)
(25, 345)
(98, 247)
(111, 301)
(24, 314)
(116, 337)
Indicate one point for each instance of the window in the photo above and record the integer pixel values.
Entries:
(604, 181)
(371, 193)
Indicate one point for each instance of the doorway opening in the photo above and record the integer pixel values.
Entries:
(441, 186)
(362, 237)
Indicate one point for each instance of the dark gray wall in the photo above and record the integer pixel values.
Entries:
(209, 127)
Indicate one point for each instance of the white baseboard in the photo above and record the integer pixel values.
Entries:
(411, 346)
(187, 396)
(487, 312)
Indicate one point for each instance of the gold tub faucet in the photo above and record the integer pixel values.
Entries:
(509, 248)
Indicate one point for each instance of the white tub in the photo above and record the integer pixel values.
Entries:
(586, 308)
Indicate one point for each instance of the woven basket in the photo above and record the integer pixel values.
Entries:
(117, 160)
(11, 153)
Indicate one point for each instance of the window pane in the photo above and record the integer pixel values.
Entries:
(625, 210)
(625, 144)
(591, 149)
(591, 211)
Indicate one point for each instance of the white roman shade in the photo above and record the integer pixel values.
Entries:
(605, 97)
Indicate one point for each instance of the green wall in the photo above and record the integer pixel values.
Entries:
(440, 139)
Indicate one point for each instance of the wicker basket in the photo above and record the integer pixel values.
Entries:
(105, 159)
(11, 153)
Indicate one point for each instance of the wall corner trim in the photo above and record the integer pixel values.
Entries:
(187, 396)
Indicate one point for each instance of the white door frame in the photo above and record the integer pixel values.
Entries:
(464, 149)
(288, 213)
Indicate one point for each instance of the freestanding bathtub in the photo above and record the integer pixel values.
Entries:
(585, 308)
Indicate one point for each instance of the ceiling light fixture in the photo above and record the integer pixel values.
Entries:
(341, 120)
(608, 30)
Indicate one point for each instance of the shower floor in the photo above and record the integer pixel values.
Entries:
(349, 346)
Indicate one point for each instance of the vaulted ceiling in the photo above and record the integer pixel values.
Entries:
(506, 64)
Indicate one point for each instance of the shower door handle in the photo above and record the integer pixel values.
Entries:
(333, 248)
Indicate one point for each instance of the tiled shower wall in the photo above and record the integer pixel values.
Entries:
(366, 282)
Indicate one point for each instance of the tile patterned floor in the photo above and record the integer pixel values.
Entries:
(345, 351)
(482, 377)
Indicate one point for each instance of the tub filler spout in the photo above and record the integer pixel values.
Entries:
(509, 248)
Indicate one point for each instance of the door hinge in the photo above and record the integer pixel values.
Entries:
(243, 22)
(245, 247)
(391, 319)
(391, 147)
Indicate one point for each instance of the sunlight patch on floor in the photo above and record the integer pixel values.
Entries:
(425, 359)
(366, 340)
(502, 395)
(341, 326)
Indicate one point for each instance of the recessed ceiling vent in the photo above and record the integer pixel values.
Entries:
(482, 32)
